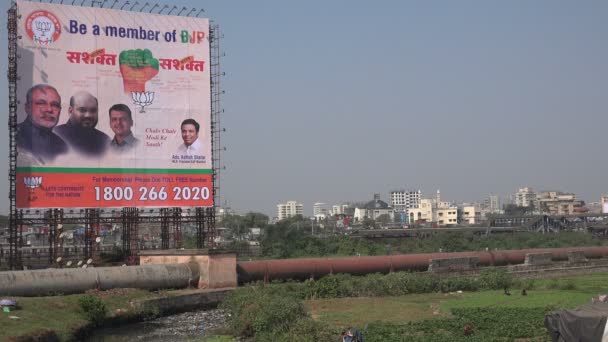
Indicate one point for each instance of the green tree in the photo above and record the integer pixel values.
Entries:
(383, 219)
(254, 219)
(368, 222)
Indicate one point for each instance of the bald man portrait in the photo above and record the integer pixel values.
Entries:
(36, 141)
(80, 132)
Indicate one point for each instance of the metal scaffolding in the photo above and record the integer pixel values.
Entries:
(14, 242)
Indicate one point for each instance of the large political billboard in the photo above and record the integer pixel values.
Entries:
(113, 109)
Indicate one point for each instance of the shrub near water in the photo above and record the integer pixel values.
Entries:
(257, 310)
(94, 309)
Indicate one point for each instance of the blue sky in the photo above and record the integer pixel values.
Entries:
(331, 101)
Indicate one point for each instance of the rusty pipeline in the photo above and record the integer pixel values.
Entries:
(305, 268)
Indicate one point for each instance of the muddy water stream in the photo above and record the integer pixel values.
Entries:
(181, 327)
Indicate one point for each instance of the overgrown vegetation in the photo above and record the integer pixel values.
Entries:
(483, 312)
(281, 242)
(273, 312)
(467, 324)
(94, 309)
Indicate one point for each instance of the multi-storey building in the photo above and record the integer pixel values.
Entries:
(424, 212)
(559, 203)
(289, 209)
(492, 204)
(468, 214)
(445, 216)
(340, 209)
(320, 210)
(525, 197)
(401, 200)
(604, 201)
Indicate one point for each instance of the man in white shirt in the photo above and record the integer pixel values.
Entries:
(192, 145)
(121, 123)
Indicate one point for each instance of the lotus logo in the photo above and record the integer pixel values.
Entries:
(32, 182)
(43, 27)
(143, 99)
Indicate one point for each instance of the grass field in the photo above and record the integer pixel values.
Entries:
(441, 316)
(61, 314)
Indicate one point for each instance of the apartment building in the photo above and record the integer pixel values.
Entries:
(468, 214)
(559, 203)
(424, 212)
(289, 209)
(445, 216)
(320, 210)
(401, 200)
(525, 197)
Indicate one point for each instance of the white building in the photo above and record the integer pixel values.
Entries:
(401, 200)
(289, 209)
(339, 209)
(524, 197)
(320, 210)
(604, 201)
(374, 209)
(492, 204)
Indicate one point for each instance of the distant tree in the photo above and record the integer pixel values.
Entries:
(236, 225)
(368, 223)
(383, 219)
(254, 219)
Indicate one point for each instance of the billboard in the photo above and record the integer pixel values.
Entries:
(113, 109)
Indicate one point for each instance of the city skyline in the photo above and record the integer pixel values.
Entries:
(471, 98)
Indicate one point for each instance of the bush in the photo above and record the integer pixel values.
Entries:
(94, 309)
(256, 311)
(494, 279)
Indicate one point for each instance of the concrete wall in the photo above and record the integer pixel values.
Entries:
(577, 257)
(216, 270)
(536, 259)
(453, 264)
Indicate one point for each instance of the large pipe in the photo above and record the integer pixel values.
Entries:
(77, 280)
(317, 267)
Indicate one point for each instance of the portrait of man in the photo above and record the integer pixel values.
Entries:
(192, 145)
(35, 138)
(80, 132)
(121, 122)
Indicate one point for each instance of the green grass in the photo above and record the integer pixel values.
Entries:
(342, 312)
(493, 315)
(62, 314)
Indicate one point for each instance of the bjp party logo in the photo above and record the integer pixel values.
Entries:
(43, 27)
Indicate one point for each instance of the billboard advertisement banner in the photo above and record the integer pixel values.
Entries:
(113, 109)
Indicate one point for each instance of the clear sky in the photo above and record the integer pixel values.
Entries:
(331, 101)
